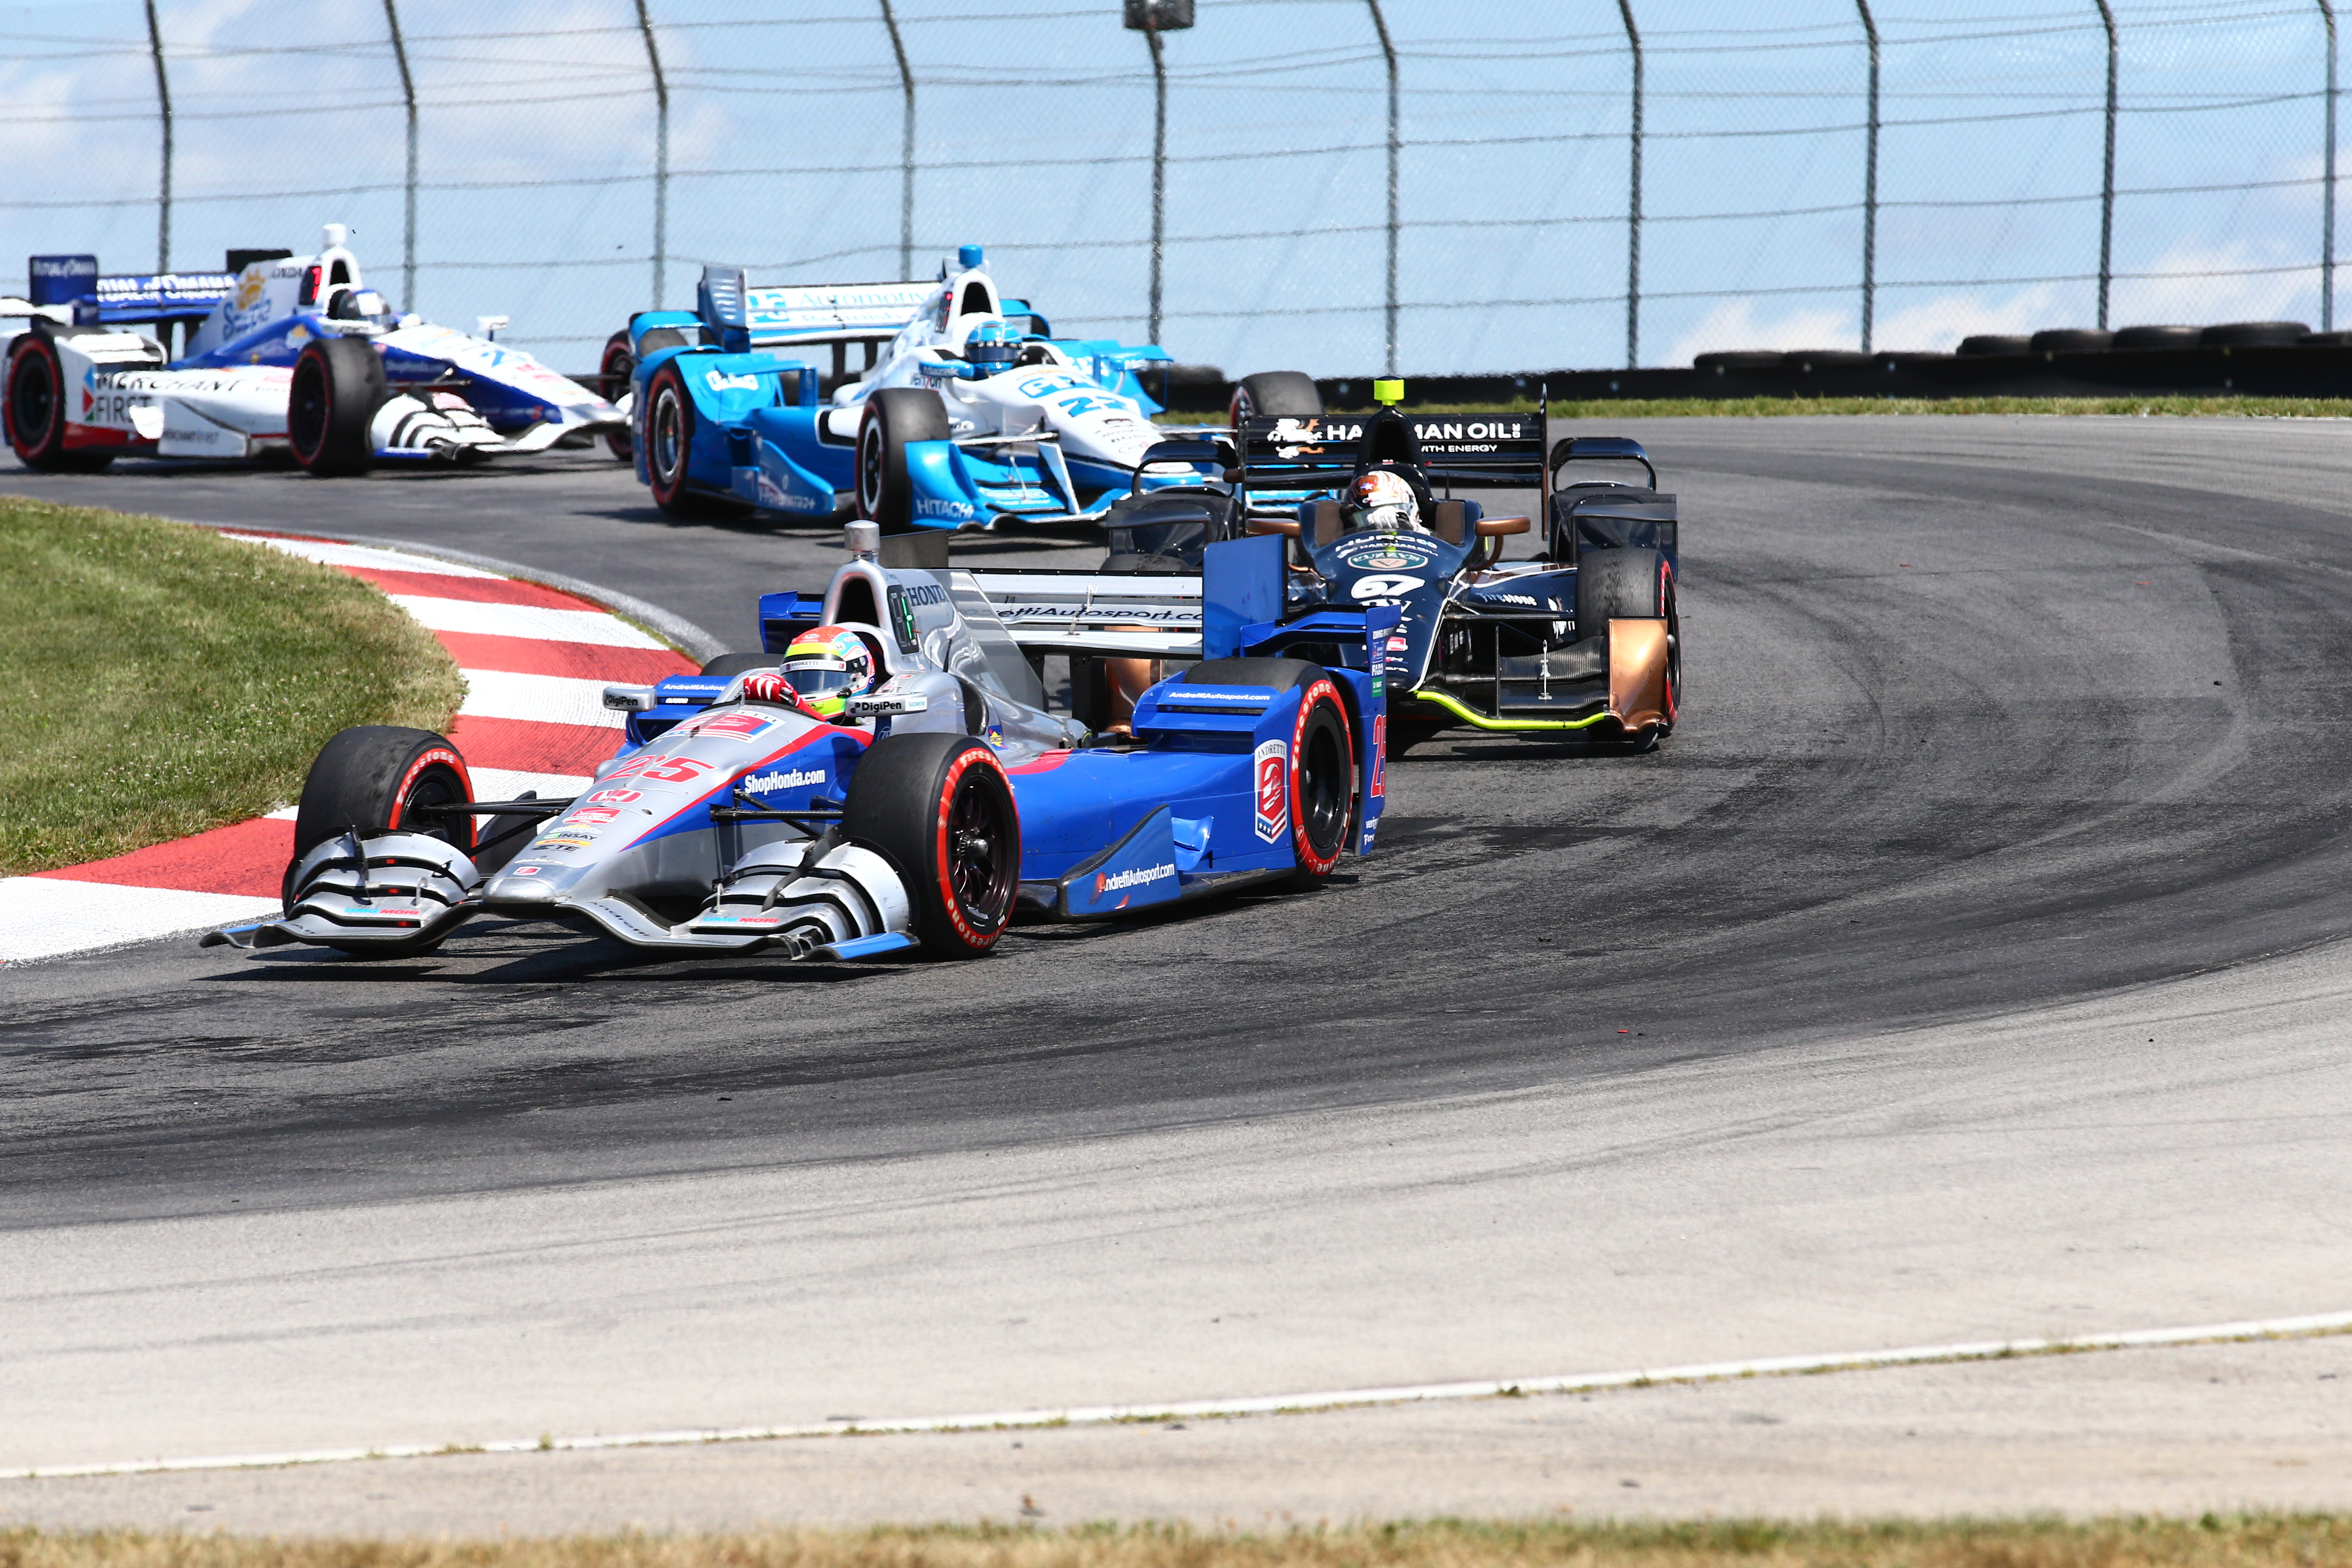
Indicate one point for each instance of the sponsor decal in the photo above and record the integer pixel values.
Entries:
(563, 838)
(729, 726)
(1273, 773)
(1380, 758)
(927, 506)
(1473, 430)
(1385, 587)
(525, 870)
(1396, 642)
(1512, 598)
(1225, 697)
(902, 619)
(408, 911)
(926, 592)
(660, 770)
(1142, 877)
(615, 796)
(755, 920)
(593, 817)
(1388, 560)
(719, 382)
(788, 778)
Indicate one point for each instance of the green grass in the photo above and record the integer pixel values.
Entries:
(162, 679)
(1770, 408)
(2256, 1541)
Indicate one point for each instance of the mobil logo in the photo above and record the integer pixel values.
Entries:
(1273, 759)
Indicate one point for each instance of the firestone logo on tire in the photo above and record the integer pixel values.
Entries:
(1273, 789)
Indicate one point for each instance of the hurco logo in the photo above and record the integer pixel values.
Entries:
(1273, 789)
(1138, 879)
(792, 778)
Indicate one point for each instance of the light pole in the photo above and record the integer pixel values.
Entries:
(1633, 202)
(906, 149)
(1151, 19)
(164, 97)
(2107, 180)
(661, 151)
(1388, 52)
(2328, 201)
(1870, 184)
(408, 224)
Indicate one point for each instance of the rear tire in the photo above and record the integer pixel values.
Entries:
(670, 451)
(620, 362)
(1320, 791)
(1284, 393)
(33, 409)
(338, 386)
(894, 416)
(940, 808)
(1631, 584)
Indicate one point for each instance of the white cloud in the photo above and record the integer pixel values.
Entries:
(1732, 324)
(1938, 324)
(2203, 300)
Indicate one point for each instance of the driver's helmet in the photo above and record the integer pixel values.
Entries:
(993, 346)
(827, 665)
(1384, 500)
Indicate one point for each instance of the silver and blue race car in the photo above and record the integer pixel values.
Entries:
(966, 412)
(284, 354)
(920, 817)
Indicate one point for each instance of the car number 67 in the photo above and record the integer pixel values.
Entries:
(1385, 585)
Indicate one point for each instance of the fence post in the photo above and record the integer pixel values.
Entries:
(2107, 180)
(162, 97)
(1633, 205)
(1870, 186)
(1388, 51)
(906, 151)
(408, 226)
(661, 152)
(2328, 201)
(1159, 172)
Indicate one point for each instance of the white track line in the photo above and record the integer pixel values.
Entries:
(547, 698)
(328, 552)
(537, 621)
(1101, 1414)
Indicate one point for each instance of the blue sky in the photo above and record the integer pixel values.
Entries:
(1033, 137)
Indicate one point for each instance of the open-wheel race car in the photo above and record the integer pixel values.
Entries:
(966, 413)
(284, 354)
(885, 776)
(1585, 638)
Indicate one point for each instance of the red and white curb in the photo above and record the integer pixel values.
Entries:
(535, 660)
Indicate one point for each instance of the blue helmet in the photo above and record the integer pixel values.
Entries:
(992, 346)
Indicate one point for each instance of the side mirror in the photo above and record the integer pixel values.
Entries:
(1286, 526)
(1496, 527)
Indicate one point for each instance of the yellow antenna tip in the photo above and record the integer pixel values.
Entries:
(1388, 391)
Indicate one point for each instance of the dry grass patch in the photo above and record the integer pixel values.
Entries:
(2251, 1541)
(163, 679)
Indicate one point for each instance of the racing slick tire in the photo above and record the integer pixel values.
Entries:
(612, 373)
(1286, 393)
(336, 388)
(35, 409)
(940, 808)
(669, 450)
(894, 416)
(373, 777)
(1631, 584)
(1321, 787)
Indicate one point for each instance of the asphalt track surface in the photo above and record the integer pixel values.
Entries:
(1969, 964)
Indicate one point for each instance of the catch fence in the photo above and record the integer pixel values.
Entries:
(1333, 186)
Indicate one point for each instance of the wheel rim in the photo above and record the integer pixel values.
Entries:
(1323, 801)
(870, 469)
(979, 871)
(435, 786)
(618, 367)
(668, 440)
(306, 407)
(33, 401)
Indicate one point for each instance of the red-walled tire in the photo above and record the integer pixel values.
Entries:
(1319, 769)
(669, 450)
(336, 388)
(611, 383)
(940, 808)
(34, 408)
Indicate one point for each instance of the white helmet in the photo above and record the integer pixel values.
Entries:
(1384, 500)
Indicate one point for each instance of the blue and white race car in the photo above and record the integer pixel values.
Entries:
(287, 353)
(966, 414)
(920, 815)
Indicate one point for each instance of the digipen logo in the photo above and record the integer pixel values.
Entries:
(1273, 789)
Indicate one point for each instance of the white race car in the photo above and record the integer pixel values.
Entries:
(288, 354)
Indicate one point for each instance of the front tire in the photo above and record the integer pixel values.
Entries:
(1631, 584)
(1276, 393)
(669, 450)
(895, 416)
(940, 808)
(337, 385)
(612, 373)
(35, 409)
(372, 778)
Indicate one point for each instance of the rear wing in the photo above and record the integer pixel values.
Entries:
(99, 300)
(1464, 450)
(1098, 612)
